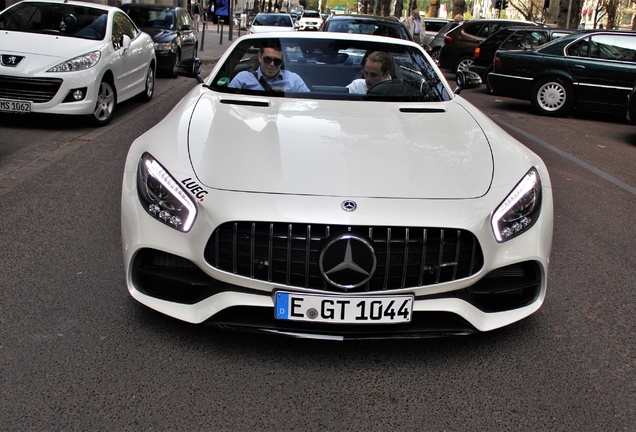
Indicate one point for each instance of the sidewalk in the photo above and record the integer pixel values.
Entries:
(213, 42)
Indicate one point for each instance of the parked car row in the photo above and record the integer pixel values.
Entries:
(460, 42)
(171, 29)
(588, 70)
(557, 70)
(511, 38)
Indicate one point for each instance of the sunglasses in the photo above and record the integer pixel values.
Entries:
(277, 61)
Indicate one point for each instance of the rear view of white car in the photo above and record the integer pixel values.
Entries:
(66, 57)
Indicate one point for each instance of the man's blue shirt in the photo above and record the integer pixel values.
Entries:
(285, 80)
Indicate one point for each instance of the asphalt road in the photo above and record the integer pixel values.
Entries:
(77, 353)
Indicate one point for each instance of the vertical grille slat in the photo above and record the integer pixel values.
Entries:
(252, 250)
(406, 257)
(440, 257)
(457, 249)
(290, 237)
(388, 259)
(423, 266)
(270, 256)
(234, 247)
(307, 255)
(288, 254)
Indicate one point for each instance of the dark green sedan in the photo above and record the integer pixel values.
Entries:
(590, 70)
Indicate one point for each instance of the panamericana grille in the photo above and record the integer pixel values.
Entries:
(288, 253)
(37, 90)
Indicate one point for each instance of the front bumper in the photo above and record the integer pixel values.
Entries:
(167, 270)
(58, 88)
(165, 60)
(480, 70)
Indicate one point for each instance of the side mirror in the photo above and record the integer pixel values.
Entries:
(189, 68)
(125, 42)
(466, 80)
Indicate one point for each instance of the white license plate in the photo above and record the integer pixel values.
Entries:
(344, 309)
(15, 106)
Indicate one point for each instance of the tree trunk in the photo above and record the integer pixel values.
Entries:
(612, 8)
(433, 9)
(459, 7)
(575, 14)
(386, 8)
(399, 7)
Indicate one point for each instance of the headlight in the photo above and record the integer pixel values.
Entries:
(520, 210)
(80, 63)
(165, 46)
(162, 197)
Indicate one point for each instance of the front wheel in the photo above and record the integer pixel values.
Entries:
(464, 63)
(149, 89)
(435, 55)
(553, 97)
(106, 104)
(177, 59)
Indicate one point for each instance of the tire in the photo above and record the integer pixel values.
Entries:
(552, 97)
(149, 89)
(463, 63)
(435, 55)
(488, 86)
(177, 59)
(106, 104)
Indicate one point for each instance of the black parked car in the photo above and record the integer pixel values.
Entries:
(460, 43)
(511, 38)
(631, 105)
(592, 70)
(171, 29)
(436, 42)
(367, 24)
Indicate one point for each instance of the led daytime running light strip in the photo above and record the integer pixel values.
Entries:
(526, 185)
(157, 171)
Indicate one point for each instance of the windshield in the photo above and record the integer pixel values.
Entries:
(57, 19)
(371, 27)
(152, 18)
(277, 20)
(331, 69)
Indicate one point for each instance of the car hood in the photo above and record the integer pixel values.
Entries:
(339, 148)
(158, 34)
(44, 51)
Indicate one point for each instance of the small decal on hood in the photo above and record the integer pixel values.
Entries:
(195, 188)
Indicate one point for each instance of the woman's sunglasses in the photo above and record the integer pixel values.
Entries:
(277, 61)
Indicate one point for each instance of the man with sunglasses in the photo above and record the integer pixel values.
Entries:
(269, 76)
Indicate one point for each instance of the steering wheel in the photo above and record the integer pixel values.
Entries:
(393, 88)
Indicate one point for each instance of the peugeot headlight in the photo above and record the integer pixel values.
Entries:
(520, 210)
(162, 197)
(79, 63)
